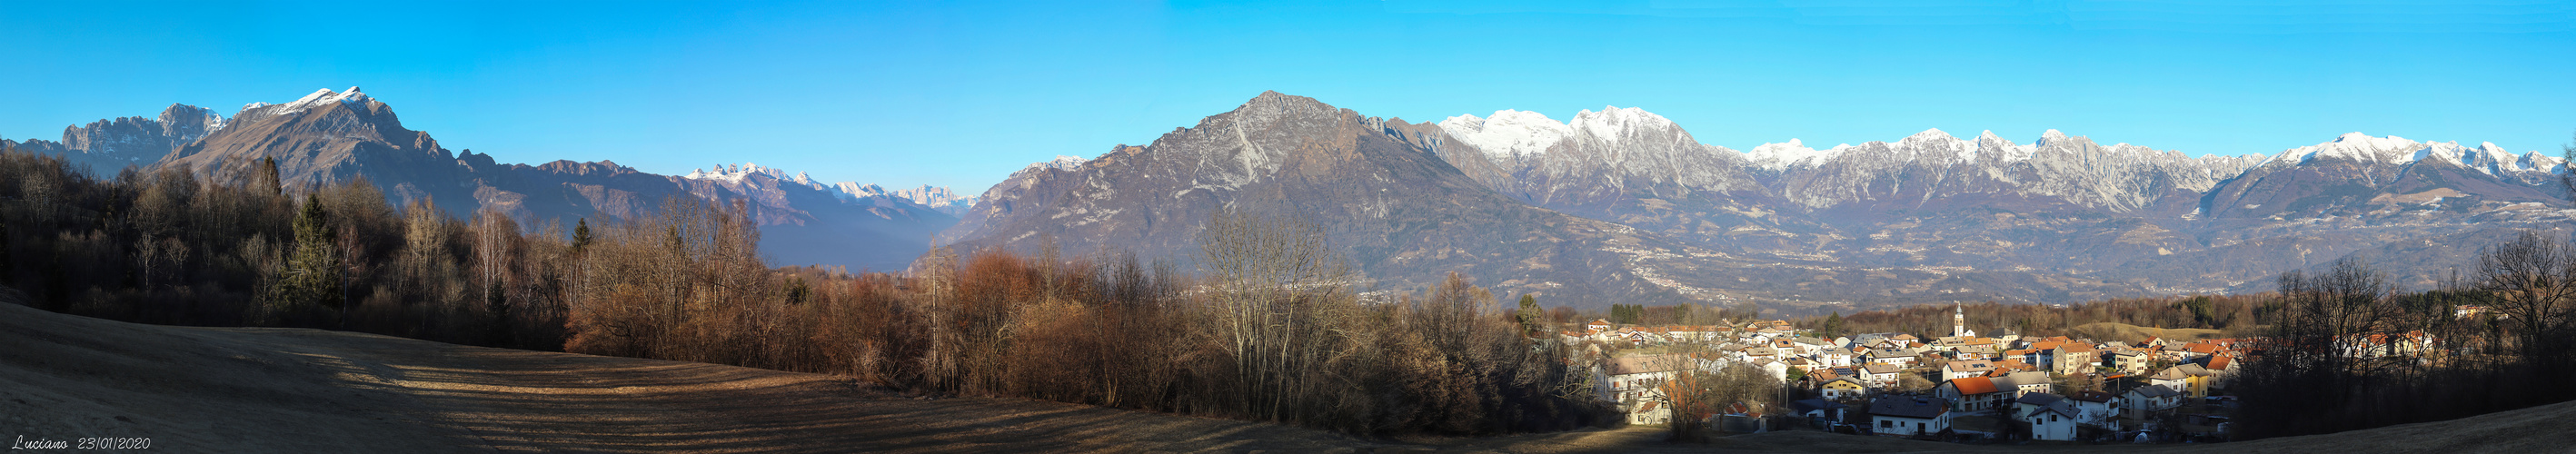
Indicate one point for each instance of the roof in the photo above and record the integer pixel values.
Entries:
(2201, 348)
(2048, 403)
(2220, 362)
(2154, 391)
(2009, 366)
(1882, 368)
(2019, 379)
(2183, 371)
(1974, 365)
(2040, 399)
(1909, 406)
(2192, 369)
(1973, 385)
(2093, 396)
(1648, 364)
(1854, 383)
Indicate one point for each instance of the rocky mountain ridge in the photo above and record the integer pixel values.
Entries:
(336, 137)
(1926, 218)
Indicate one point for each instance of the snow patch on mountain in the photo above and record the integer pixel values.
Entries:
(736, 173)
(1509, 135)
(1784, 155)
(319, 97)
(1612, 123)
(1061, 162)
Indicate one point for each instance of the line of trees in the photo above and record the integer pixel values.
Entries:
(1268, 326)
(2353, 350)
(2233, 315)
(167, 247)
(1677, 314)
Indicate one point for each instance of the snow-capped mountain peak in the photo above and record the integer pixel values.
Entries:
(1612, 122)
(1929, 135)
(1062, 162)
(1508, 133)
(317, 98)
(2353, 146)
(735, 173)
(1781, 156)
(2050, 137)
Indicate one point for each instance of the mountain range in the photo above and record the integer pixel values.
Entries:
(335, 137)
(1632, 209)
(1618, 205)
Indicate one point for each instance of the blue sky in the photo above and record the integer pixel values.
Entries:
(961, 94)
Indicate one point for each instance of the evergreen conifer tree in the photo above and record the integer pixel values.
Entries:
(313, 273)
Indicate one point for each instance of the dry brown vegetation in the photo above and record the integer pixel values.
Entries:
(2133, 334)
(1266, 327)
(300, 390)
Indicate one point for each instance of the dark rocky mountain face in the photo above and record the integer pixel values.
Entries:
(334, 137)
(1386, 199)
(1641, 211)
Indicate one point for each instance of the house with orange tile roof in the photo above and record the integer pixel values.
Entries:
(1972, 394)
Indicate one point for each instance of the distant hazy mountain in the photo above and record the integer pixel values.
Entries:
(1927, 218)
(331, 137)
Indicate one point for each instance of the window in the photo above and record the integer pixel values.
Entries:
(1885, 424)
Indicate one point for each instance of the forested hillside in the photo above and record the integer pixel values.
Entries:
(1267, 328)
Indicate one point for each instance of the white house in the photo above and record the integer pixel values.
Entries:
(1907, 416)
(1633, 379)
(2095, 408)
(2147, 402)
(1892, 356)
(1834, 357)
(2050, 416)
(1779, 369)
(1880, 375)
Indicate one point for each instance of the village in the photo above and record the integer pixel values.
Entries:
(1959, 386)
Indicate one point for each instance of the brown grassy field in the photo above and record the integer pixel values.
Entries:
(299, 390)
